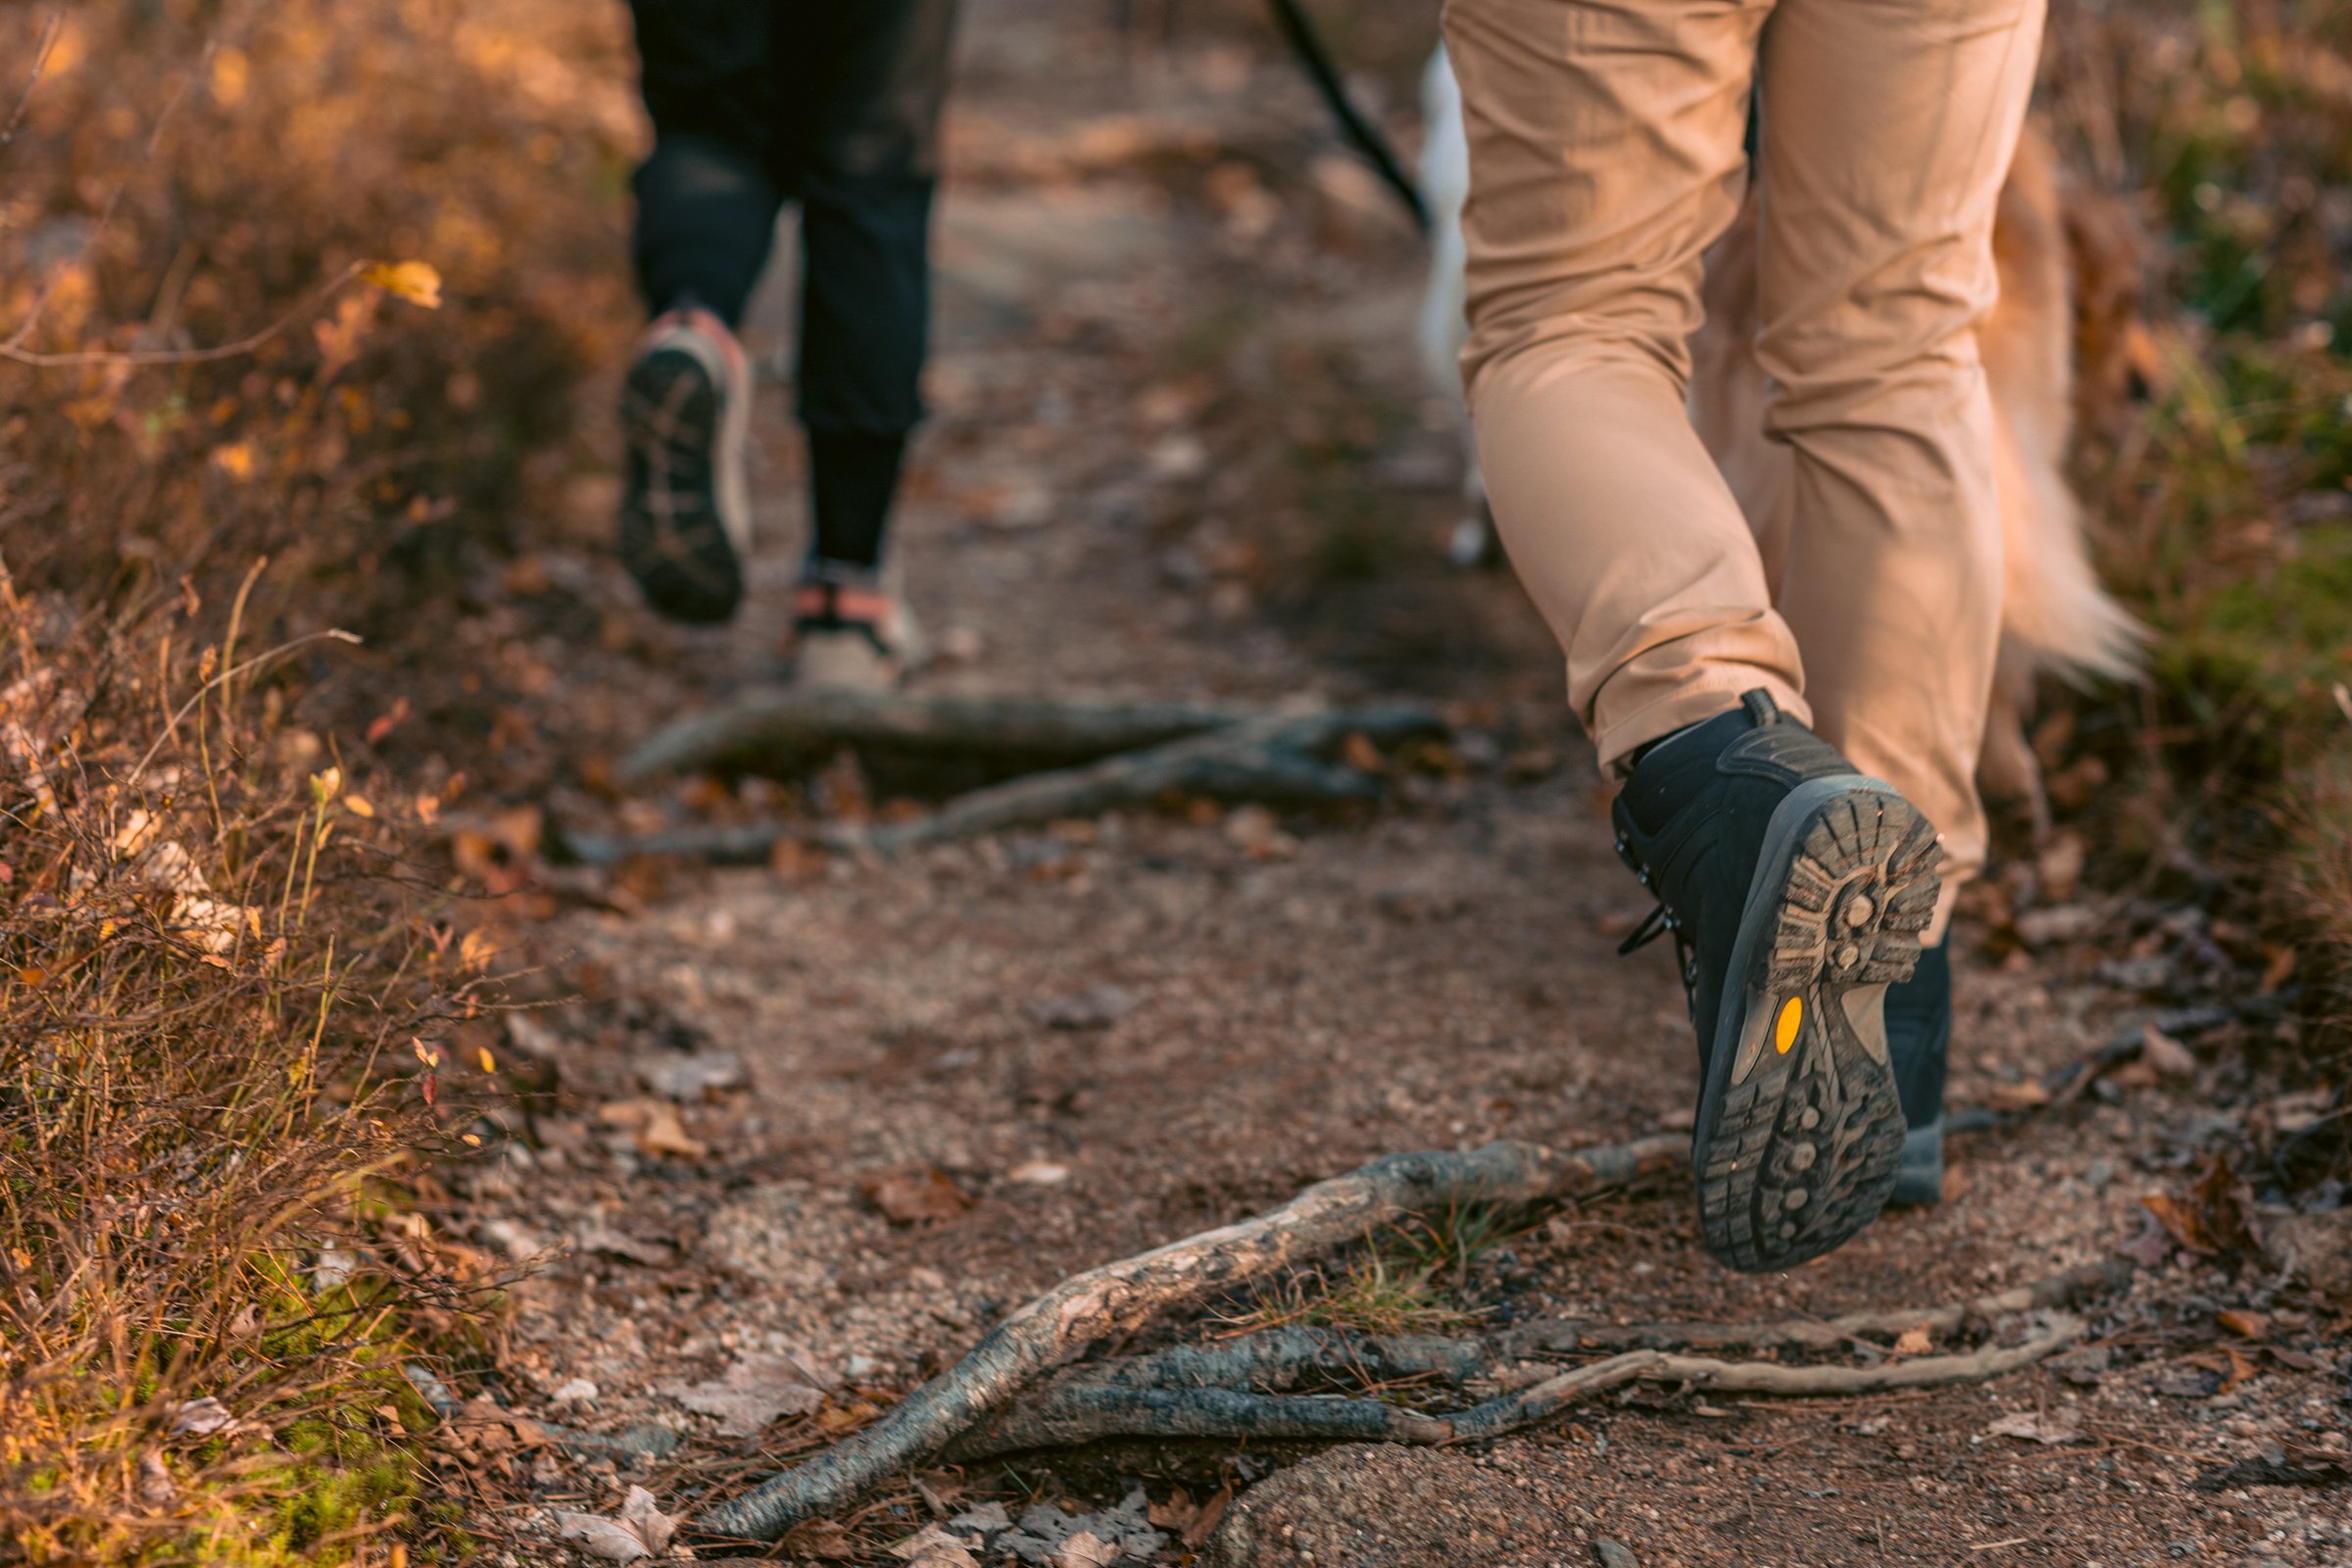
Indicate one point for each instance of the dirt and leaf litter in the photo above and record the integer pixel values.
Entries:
(976, 1065)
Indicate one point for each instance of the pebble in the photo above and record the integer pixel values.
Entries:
(1612, 1554)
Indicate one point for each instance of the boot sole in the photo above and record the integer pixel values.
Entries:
(1799, 1128)
(685, 458)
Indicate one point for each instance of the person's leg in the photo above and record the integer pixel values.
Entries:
(707, 199)
(707, 207)
(877, 74)
(1887, 132)
(1606, 154)
(1606, 157)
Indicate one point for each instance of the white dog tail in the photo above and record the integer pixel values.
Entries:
(1444, 185)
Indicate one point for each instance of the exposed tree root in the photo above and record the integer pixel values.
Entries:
(787, 729)
(1018, 1390)
(1281, 758)
(1238, 1389)
(1086, 1409)
(1121, 1297)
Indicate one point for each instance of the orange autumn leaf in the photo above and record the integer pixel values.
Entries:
(417, 283)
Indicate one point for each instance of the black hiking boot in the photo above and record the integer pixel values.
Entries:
(1919, 1030)
(685, 515)
(1795, 890)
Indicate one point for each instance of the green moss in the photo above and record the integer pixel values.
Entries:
(2281, 637)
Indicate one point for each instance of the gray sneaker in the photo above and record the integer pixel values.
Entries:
(852, 631)
(686, 513)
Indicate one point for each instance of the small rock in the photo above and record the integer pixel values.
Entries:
(579, 1391)
(1098, 1007)
(2100, 1173)
(1613, 1554)
(156, 1485)
(1385, 1507)
(335, 1266)
(687, 1079)
(203, 1418)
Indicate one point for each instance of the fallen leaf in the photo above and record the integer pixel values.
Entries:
(334, 1266)
(2229, 1206)
(597, 1237)
(1086, 1549)
(656, 1125)
(652, 1525)
(1205, 1523)
(2053, 1427)
(2226, 1363)
(822, 1540)
(579, 1391)
(757, 1390)
(2180, 1220)
(933, 1547)
(384, 724)
(2025, 1095)
(477, 949)
(608, 1539)
(1177, 1513)
(2167, 1056)
(912, 1194)
(2245, 1324)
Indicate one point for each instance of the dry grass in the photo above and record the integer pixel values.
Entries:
(223, 989)
(212, 1014)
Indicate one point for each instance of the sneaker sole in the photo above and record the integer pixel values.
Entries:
(1799, 1128)
(685, 457)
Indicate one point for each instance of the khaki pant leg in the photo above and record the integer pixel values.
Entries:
(1606, 156)
(1889, 128)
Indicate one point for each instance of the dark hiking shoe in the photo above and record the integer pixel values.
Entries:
(1919, 1030)
(685, 517)
(1795, 890)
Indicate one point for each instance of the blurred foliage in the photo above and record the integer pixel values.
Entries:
(2228, 508)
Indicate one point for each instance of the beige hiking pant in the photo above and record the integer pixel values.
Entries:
(1606, 157)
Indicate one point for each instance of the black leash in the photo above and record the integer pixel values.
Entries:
(1299, 32)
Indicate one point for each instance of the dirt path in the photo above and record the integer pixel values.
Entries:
(1181, 450)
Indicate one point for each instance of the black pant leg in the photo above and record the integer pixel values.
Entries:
(709, 194)
(876, 74)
